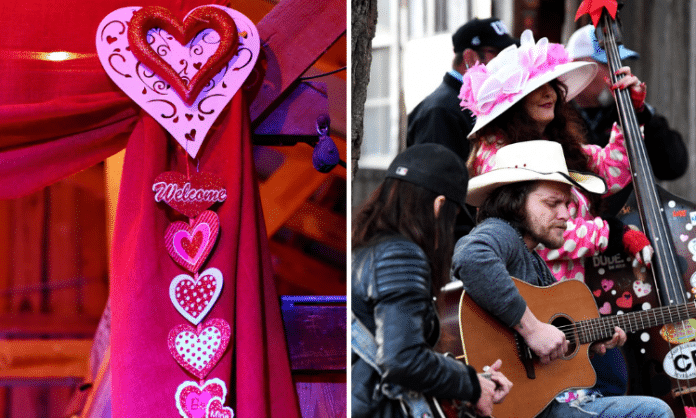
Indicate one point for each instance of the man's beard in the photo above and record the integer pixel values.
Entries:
(542, 237)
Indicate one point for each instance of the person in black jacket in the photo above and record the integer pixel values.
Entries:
(402, 242)
(665, 147)
(439, 118)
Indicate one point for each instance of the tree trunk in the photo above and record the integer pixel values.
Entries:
(363, 23)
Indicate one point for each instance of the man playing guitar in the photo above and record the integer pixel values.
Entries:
(523, 201)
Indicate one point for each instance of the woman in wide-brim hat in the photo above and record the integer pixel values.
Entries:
(523, 95)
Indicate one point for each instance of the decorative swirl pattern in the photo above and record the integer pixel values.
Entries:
(188, 123)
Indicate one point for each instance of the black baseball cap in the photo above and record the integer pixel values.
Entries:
(482, 32)
(433, 167)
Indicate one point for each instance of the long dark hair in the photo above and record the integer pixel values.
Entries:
(399, 207)
(507, 203)
(566, 128)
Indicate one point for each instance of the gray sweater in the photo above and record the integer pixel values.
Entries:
(485, 259)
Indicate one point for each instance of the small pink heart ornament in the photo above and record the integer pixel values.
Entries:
(217, 410)
(199, 350)
(189, 244)
(607, 284)
(605, 309)
(189, 125)
(193, 399)
(195, 296)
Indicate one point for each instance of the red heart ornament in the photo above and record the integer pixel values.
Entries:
(217, 410)
(151, 17)
(625, 301)
(194, 297)
(189, 196)
(189, 244)
(199, 350)
(192, 399)
(597, 293)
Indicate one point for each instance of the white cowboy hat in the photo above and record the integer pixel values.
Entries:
(530, 161)
(488, 91)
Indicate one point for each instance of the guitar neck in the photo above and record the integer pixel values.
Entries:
(598, 329)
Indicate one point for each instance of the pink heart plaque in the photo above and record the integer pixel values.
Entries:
(202, 66)
(192, 399)
(216, 410)
(194, 297)
(189, 195)
(189, 244)
(199, 350)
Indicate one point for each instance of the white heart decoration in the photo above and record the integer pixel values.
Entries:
(194, 297)
(189, 125)
(641, 288)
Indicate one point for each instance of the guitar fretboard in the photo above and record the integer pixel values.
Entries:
(603, 328)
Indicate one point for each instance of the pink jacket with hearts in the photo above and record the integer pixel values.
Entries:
(586, 235)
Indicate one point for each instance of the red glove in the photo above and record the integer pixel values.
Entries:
(636, 244)
(638, 97)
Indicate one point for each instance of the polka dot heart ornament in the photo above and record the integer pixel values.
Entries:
(183, 73)
(195, 296)
(199, 349)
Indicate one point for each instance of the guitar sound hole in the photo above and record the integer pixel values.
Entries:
(566, 325)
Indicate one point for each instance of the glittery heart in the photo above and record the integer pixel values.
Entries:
(641, 288)
(597, 292)
(189, 244)
(683, 237)
(189, 195)
(217, 410)
(156, 17)
(605, 309)
(192, 66)
(192, 399)
(199, 350)
(194, 297)
(607, 284)
(625, 301)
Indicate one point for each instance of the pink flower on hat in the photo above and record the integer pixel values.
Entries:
(486, 86)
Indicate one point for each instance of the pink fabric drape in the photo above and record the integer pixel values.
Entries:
(145, 376)
(58, 119)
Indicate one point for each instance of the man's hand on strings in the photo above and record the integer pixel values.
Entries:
(617, 340)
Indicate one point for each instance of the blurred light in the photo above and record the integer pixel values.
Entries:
(55, 56)
(58, 56)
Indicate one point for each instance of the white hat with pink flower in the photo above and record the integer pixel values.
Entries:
(489, 90)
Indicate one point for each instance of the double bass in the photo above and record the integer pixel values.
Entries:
(662, 361)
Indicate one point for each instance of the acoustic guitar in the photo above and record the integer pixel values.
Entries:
(568, 305)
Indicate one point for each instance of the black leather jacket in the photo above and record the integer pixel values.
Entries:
(391, 295)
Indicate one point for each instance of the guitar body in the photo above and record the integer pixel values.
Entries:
(484, 340)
